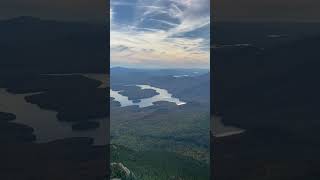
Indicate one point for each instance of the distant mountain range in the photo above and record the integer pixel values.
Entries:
(190, 85)
(35, 45)
(261, 34)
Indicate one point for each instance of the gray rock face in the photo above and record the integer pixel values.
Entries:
(120, 172)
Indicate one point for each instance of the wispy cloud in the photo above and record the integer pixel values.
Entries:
(155, 35)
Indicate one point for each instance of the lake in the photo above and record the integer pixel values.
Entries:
(163, 95)
(45, 123)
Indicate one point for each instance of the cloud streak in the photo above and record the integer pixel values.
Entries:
(152, 33)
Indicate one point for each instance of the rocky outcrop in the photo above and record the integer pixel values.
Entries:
(120, 172)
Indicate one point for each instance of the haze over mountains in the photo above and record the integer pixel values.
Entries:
(188, 84)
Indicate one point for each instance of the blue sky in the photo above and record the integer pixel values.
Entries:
(160, 33)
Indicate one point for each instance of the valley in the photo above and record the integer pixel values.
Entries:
(170, 126)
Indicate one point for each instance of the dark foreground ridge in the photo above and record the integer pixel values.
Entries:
(156, 165)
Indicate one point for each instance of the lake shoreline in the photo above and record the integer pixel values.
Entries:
(163, 95)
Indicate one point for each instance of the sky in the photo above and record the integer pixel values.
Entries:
(64, 10)
(160, 33)
(267, 10)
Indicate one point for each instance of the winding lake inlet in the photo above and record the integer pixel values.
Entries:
(163, 95)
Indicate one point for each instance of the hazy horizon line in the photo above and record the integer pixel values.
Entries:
(158, 68)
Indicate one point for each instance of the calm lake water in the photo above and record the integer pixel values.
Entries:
(163, 95)
(45, 123)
